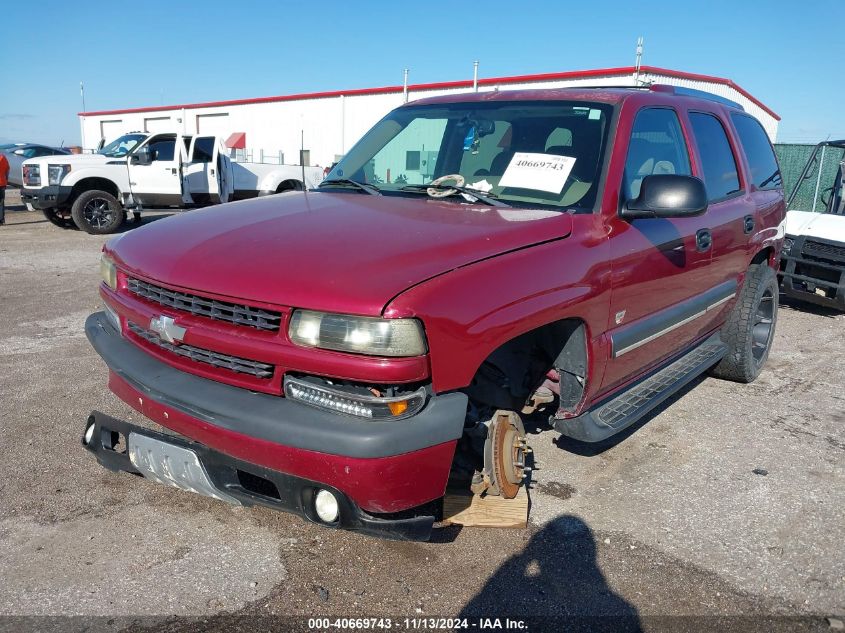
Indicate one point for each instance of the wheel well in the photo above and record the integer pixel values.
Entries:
(87, 184)
(289, 185)
(509, 375)
(765, 256)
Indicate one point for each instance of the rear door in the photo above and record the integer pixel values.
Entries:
(731, 210)
(208, 172)
(160, 183)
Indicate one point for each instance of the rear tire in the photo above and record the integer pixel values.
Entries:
(97, 212)
(750, 328)
(59, 217)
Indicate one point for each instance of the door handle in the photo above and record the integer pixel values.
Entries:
(173, 170)
(748, 224)
(703, 240)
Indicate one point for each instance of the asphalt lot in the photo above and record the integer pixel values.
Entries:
(671, 521)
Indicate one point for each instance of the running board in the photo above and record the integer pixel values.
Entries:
(622, 410)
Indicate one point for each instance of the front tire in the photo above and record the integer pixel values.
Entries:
(97, 212)
(750, 328)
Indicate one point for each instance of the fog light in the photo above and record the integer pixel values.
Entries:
(89, 434)
(325, 504)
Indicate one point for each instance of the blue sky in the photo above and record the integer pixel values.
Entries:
(153, 52)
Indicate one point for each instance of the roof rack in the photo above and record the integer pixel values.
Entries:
(698, 94)
(669, 89)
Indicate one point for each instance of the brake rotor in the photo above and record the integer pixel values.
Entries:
(507, 454)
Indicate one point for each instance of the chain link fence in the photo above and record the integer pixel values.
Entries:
(815, 190)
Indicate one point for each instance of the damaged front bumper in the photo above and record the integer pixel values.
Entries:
(169, 459)
(385, 471)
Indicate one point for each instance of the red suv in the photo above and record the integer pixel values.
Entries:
(345, 352)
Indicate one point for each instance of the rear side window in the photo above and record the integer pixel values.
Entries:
(657, 147)
(204, 149)
(717, 159)
(765, 173)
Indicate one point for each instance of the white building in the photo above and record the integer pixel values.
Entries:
(327, 124)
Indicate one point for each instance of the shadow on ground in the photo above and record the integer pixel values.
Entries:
(556, 574)
(788, 303)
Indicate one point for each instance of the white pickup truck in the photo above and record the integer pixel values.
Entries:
(141, 171)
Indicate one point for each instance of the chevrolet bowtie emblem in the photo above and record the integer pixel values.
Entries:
(167, 329)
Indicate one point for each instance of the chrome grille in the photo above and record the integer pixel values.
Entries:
(199, 355)
(823, 250)
(238, 314)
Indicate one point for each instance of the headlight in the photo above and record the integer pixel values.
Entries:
(55, 173)
(355, 404)
(787, 244)
(31, 175)
(359, 335)
(108, 272)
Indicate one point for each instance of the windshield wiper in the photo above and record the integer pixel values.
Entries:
(346, 182)
(486, 198)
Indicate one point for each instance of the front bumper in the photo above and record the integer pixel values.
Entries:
(46, 197)
(813, 279)
(243, 483)
(383, 467)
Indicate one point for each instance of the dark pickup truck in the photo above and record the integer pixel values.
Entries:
(345, 352)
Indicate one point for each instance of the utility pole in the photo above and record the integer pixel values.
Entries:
(475, 76)
(82, 94)
(405, 86)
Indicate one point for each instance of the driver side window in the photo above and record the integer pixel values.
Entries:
(657, 147)
(163, 149)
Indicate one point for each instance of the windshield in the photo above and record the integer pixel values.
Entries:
(122, 146)
(524, 153)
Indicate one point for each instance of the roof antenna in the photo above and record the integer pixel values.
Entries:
(639, 59)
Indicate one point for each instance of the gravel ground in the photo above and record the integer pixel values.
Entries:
(670, 521)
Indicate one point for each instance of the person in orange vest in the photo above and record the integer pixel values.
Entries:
(4, 181)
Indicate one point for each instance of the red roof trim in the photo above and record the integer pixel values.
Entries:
(487, 81)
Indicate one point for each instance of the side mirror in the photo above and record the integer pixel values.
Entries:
(667, 196)
(142, 157)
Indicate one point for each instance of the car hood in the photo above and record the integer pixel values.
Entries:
(823, 225)
(73, 159)
(340, 252)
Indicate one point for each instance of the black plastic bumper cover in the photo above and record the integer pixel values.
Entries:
(287, 493)
(274, 418)
(795, 283)
(46, 197)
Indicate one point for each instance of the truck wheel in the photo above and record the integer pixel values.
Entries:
(59, 217)
(97, 212)
(750, 327)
